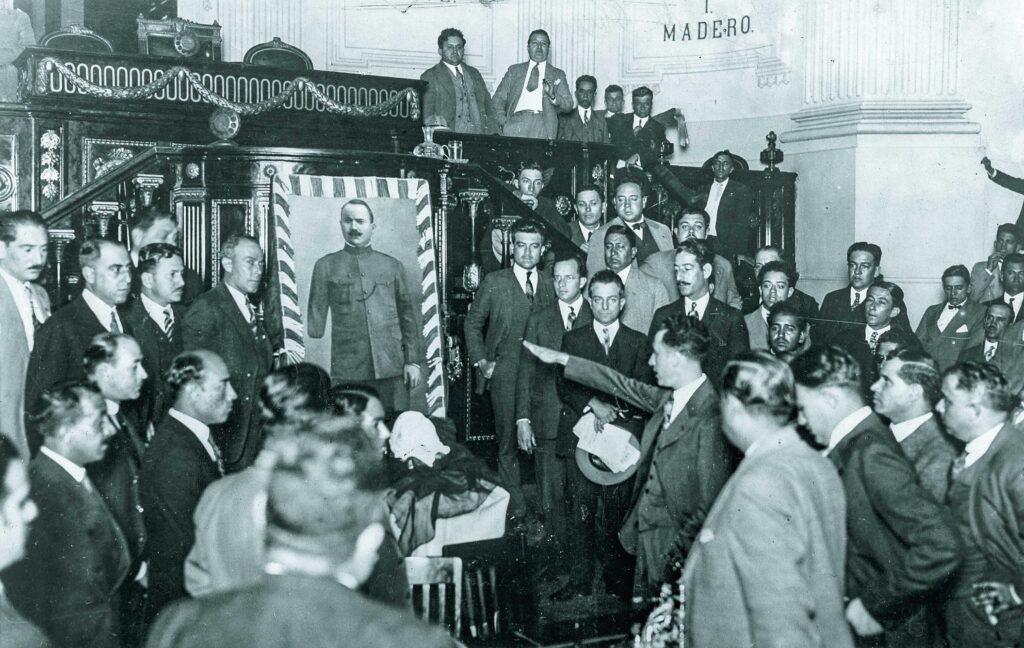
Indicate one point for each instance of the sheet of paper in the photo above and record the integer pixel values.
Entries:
(610, 445)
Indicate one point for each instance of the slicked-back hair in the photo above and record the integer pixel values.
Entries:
(606, 277)
(529, 165)
(149, 217)
(631, 177)
(642, 91)
(91, 250)
(358, 202)
(763, 384)
(227, 248)
(725, 152)
(904, 340)
(687, 335)
(591, 187)
(894, 291)
(60, 407)
(447, 33)
(919, 368)
(1007, 228)
(688, 211)
(827, 366)
(10, 221)
(774, 248)
(571, 255)
(583, 78)
(8, 455)
(151, 256)
(613, 88)
(326, 486)
(787, 308)
(864, 246)
(102, 350)
(538, 31)
(621, 230)
(987, 381)
(352, 399)
(777, 266)
(527, 226)
(958, 270)
(293, 391)
(186, 368)
(1016, 257)
(698, 249)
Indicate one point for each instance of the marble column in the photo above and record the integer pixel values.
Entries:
(883, 146)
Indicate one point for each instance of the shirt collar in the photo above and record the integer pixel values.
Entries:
(77, 472)
(101, 309)
(723, 184)
(682, 395)
(16, 287)
(583, 111)
(113, 407)
(613, 329)
(764, 313)
(520, 274)
(454, 69)
(241, 299)
(702, 304)
(640, 121)
(976, 448)
(198, 428)
(155, 310)
(563, 308)
(991, 343)
(904, 429)
(863, 294)
(624, 273)
(847, 425)
(868, 332)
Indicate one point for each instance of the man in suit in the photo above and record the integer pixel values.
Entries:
(693, 224)
(731, 206)
(906, 392)
(590, 206)
(630, 200)
(883, 304)
(502, 307)
(611, 343)
(76, 557)
(155, 320)
(724, 324)
(684, 459)
(946, 329)
(224, 321)
(584, 124)
(1012, 278)
(985, 275)
(537, 404)
(807, 304)
(61, 340)
(154, 225)
(114, 365)
(1015, 185)
(315, 557)
(531, 95)
(774, 283)
(843, 309)
(529, 185)
(614, 101)
(17, 511)
(24, 305)
(983, 607)
(782, 584)
(636, 136)
(644, 293)
(456, 91)
(902, 544)
(788, 331)
(180, 462)
(997, 318)
(375, 337)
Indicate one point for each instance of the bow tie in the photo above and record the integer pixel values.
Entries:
(954, 307)
(637, 226)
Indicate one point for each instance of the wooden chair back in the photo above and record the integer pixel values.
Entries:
(430, 579)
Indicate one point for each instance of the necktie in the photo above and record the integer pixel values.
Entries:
(638, 228)
(873, 342)
(87, 484)
(856, 300)
(959, 465)
(636, 130)
(667, 409)
(36, 320)
(589, 234)
(459, 75)
(1009, 302)
(252, 319)
(529, 285)
(606, 339)
(217, 457)
(990, 352)
(115, 326)
(571, 319)
(586, 116)
(693, 310)
(168, 321)
(534, 81)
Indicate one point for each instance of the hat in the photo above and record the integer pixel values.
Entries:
(596, 471)
(415, 437)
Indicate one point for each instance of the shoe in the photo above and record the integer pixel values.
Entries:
(571, 591)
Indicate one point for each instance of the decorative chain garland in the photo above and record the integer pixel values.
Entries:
(147, 90)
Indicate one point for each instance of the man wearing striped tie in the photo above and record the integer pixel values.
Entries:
(456, 91)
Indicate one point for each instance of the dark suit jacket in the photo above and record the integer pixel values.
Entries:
(19, 632)
(214, 322)
(692, 456)
(510, 88)
(836, 316)
(852, 340)
(536, 389)
(75, 560)
(932, 452)
(628, 356)
(158, 351)
(175, 470)
(729, 334)
(1015, 185)
(116, 477)
(289, 611)
(964, 329)
(646, 143)
(572, 128)
(439, 99)
(902, 543)
(974, 353)
(59, 345)
(736, 223)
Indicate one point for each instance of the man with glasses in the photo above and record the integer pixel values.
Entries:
(532, 94)
(630, 200)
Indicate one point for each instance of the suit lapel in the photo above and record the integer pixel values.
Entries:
(518, 75)
(230, 309)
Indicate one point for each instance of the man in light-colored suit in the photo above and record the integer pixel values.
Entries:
(456, 91)
(531, 95)
(644, 293)
(630, 200)
(775, 283)
(584, 124)
(946, 329)
(23, 306)
(693, 224)
(781, 585)
(985, 275)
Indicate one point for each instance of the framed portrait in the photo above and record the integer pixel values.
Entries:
(369, 306)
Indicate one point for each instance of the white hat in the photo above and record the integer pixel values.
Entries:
(414, 436)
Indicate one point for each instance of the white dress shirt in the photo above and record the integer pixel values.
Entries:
(946, 316)
(639, 122)
(563, 308)
(19, 293)
(682, 395)
(1015, 304)
(198, 428)
(612, 328)
(101, 309)
(904, 429)
(454, 69)
(585, 113)
(242, 301)
(587, 233)
(863, 295)
(702, 305)
(77, 472)
(868, 332)
(637, 231)
(533, 100)
(976, 448)
(994, 346)
(844, 427)
(714, 199)
(624, 274)
(520, 274)
(157, 312)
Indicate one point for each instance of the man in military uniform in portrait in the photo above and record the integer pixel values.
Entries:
(374, 337)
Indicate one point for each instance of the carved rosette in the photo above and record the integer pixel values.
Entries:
(49, 162)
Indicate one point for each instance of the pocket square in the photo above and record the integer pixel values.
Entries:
(962, 329)
(706, 536)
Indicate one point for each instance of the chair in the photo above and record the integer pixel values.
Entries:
(279, 54)
(179, 38)
(76, 38)
(499, 605)
(430, 575)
